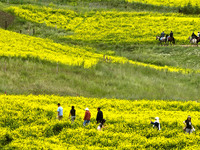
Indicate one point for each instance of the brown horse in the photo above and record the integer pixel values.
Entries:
(170, 40)
(198, 40)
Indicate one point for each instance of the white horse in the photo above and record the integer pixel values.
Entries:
(192, 41)
(163, 39)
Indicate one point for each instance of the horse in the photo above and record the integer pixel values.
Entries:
(161, 40)
(198, 40)
(170, 39)
(193, 40)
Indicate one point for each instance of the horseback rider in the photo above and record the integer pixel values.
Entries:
(162, 35)
(198, 34)
(194, 36)
(171, 34)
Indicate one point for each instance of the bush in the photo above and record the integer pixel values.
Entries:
(189, 9)
(5, 137)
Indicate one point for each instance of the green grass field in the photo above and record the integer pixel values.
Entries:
(19, 76)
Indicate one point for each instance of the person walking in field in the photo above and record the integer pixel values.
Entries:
(60, 112)
(99, 117)
(87, 117)
(101, 125)
(156, 123)
(188, 125)
(72, 113)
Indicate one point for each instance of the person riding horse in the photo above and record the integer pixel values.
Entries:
(194, 36)
(171, 34)
(162, 35)
(170, 38)
(198, 34)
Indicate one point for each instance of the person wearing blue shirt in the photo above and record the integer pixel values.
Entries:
(60, 112)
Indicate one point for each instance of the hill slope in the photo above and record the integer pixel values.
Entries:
(41, 66)
(112, 27)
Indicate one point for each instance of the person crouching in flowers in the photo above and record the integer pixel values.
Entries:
(156, 123)
(101, 125)
(188, 125)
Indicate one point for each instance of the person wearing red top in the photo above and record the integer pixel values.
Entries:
(87, 117)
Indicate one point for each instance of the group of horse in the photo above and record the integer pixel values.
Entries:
(171, 40)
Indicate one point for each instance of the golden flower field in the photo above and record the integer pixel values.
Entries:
(29, 122)
(44, 49)
(113, 26)
(167, 2)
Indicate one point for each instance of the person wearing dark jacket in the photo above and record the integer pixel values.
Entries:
(188, 125)
(194, 36)
(99, 115)
(171, 34)
(162, 35)
(156, 123)
(72, 114)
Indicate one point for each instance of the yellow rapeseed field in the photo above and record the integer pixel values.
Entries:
(29, 122)
(168, 2)
(111, 26)
(25, 46)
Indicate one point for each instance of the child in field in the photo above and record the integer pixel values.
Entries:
(188, 125)
(156, 123)
(101, 125)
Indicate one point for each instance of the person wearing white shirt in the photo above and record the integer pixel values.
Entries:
(60, 112)
(156, 124)
(198, 34)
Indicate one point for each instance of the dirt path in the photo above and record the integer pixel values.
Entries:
(188, 45)
(5, 18)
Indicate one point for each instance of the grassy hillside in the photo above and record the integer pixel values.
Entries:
(32, 124)
(101, 79)
(26, 46)
(93, 50)
(112, 27)
(26, 76)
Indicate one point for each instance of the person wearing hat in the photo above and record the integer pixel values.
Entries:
(60, 112)
(101, 125)
(87, 117)
(188, 125)
(156, 123)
